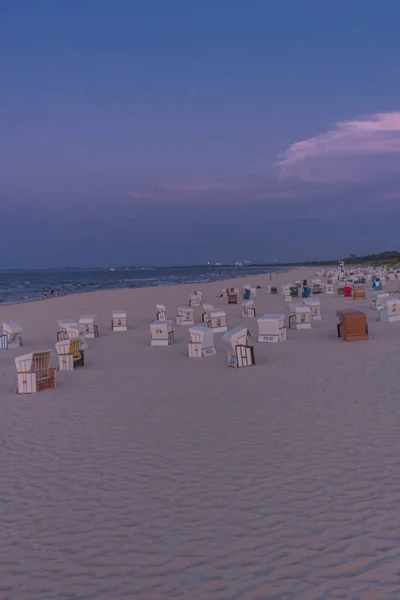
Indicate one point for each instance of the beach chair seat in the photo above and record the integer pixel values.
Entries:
(70, 355)
(348, 291)
(359, 292)
(248, 310)
(240, 354)
(63, 326)
(194, 300)
(217, 320)
(70, 330)
(271, 328)
(352, 325)
(161, 333)
(161, 312)
(390, 310)
(185, 315)
(90, 327)
(34, 372)
(378, 299)
(315, 306)
(11, 336)
(119, 320)
(205, 317)
(201, 343)
(377, 284)
(233, 294)
(300, 316)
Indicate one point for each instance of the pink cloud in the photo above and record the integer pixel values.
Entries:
(391, 195)
(207, 186)
(246, 187)
(133, 194)
(352, 151)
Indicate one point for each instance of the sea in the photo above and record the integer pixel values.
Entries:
(27, 286)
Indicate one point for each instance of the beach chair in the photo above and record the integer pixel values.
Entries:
(34, 372)
(340, 289)
(352, 325)
(391, 309)
(224, 293)
(88, 322)
(3, 341)
(185, 315)
(217, 320)
(161, 333)
(205, 317)
(63, 325)
(348, 291)
(195, 299)
(240, 354)
(272, 289)
(300, 316)
(378, 299)
(359, 292)
(271, 328)
(70, 330)
(11, 336)
(233, 295)
(246, 292)
(201, 343)
(315, 306)
(294, 291)
(377, 284)
(161, 312)
(119, 320)
(316, 285)
(248, 310)
(306, 291)
(329, 289)
(70, 356)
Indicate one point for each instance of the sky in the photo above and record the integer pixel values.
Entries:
(154, 132)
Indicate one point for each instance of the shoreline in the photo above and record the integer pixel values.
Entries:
(126, 291)
(121, 288)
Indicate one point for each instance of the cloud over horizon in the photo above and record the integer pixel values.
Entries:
(352, 154)
(357, 151)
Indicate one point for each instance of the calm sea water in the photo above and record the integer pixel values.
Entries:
(25, 286)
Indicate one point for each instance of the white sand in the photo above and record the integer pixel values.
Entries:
(147, 475)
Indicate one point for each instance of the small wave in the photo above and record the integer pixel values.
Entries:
(14, 290)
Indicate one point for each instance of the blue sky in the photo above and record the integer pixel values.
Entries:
(173, 132)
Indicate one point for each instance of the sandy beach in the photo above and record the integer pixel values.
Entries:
(146, 475)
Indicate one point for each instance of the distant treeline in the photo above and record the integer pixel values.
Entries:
(390, 257)
(383, 258)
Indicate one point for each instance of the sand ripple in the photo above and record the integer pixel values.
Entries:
(192, 481)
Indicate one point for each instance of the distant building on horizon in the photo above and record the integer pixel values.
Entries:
(218, 264)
